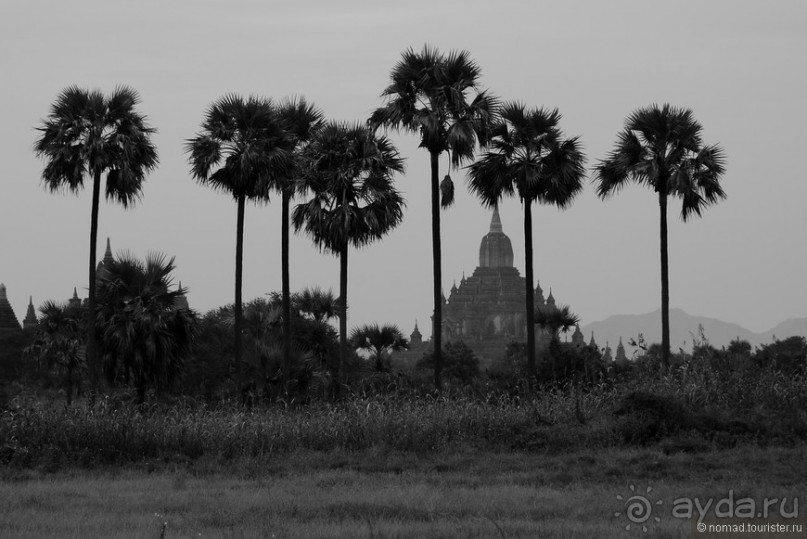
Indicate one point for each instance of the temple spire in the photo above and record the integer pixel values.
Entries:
(496, 251)
(74, 302)
(8, 320)
(108, 252)
(30, 320)
(496, 221)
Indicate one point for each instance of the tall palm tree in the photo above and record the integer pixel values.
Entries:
(529, 156)
(353, 199)
(379, 341)
(86, 135)
(144, 336)
(438, 96)
(661, 148)
(242, 144)
(301, 120)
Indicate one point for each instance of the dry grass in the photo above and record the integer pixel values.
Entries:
(379, 494)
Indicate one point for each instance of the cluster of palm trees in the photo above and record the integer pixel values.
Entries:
(252, 147)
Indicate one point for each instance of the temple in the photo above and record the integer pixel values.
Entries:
(10, 323)
(8, 320)
(487, 310)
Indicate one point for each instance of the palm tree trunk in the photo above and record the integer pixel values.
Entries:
(665, 282)
(286, 306)
(437, 320)
(69, 386)
(343, 316)
(239, 270)
(92, 354)
(531, 367)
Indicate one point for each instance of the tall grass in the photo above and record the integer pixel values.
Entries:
(721, 410)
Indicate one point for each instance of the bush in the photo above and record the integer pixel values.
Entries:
(459, 362)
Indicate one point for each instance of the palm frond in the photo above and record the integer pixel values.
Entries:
(353, 199)
(661, 148)
(527, 155)
(86, 134)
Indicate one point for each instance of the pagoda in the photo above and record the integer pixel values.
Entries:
(487, 310)
(8, 320)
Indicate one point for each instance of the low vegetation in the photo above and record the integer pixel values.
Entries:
(692, 409)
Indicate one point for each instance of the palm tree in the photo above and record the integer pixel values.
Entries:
(316, 303)
(247, 141)
(301, 120)
(86, 135)
(379, 341)
(144, 335)
(353, 199)
(661, 148)
(438, 96)
(529, 156)
(59, 344)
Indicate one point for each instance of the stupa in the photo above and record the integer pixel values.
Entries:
(8, 320)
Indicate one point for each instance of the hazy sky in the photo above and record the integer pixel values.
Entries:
(739, 65)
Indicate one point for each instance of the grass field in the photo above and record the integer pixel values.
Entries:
(392, 494)
(481, 461)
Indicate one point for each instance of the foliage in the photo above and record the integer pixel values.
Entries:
(788, 356)
(313, 343)
(460, 362)
(145, 336)
(555, 319)
(87, 134)
(207, 371)
(59, 342)
(438, 96)
(301, 120)
(528, 155)
(353, 200)
(379, 342)
(661, 148)
(316, 303)
(764, 408)
(247, 140)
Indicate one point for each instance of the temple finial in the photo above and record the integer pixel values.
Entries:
(496, 221)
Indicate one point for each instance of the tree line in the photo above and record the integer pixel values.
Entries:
(343, 173)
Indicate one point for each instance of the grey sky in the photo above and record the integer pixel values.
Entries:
(739, 65)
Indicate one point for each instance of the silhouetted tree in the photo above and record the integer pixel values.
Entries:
(145, 336)
(527, 155)
(59, 342)
(661, 148)
(301, 120)
(85, 136)
(242, 145)
(379, 341)
(353, 199)
(438, 97)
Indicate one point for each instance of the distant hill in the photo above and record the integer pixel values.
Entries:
(683, 328)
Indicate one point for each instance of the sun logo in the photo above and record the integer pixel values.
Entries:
(638, 508)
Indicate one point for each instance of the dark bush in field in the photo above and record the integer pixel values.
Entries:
(459, 362)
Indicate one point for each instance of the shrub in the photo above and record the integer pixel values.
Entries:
(459, 362)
